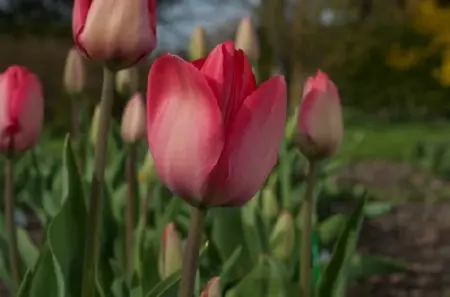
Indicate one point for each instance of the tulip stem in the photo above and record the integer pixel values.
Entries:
(130, 209)
(191, 252)
(9, 217)
(95, 201)
(308, 209)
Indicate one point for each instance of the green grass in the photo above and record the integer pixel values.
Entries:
(390, 141)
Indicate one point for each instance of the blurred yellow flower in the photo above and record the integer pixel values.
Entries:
(433, 19)
(403, 59)
(443, 74)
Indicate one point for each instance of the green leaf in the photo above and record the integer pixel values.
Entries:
(364, 266)
(277, 279)
(227, 267)
(164, 286)
(227, 234)
(66, 231)
(47, 279)
(25, 285)
(330, 229)
(377, 208)
(253, 284)
(27, 249)
(336, 270)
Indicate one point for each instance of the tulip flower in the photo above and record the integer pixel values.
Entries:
(94, 125)
(119, 32)
(21, 109)
(320, 118)
(133, 120)
(74, 72)
(127, 81)
(170, 254)
(283, 236)
(212, 288)
(197, 45)
(247, 39)
(213, 134)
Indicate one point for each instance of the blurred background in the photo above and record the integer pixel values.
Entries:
(389, 58)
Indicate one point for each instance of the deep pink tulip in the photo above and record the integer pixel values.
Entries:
(320, 117)
(119, 32)
(21, 109)
(213, 134)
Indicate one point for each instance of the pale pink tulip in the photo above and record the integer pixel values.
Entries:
(212, 288)
(119, 32)
(320, 118)
(21, 109)
(133, 120)
(213, 134)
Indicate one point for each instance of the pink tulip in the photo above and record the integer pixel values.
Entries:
(21, 109)
(120, 32)
(133, 120)
(320, 117)
(213, 134)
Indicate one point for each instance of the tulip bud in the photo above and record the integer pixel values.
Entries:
(246, 39)
(212, 288)
(320, 118)
(21, 109)
(133, 120)
(170, 254)
(282, 237)
(119, 32)
(147, 172)
(198, 47)
(74, 72)
(127, 81)
(269, 203)
(94, 125)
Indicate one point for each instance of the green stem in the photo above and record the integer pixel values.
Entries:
(95, 201)
(10, 222)
(191, 253)
(308, 209)
(130, 209)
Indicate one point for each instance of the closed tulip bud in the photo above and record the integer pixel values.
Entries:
(74, 72)
(147, 171)
(214, 135)
(133, 120)
(319, 121)
(246, 39)
(127, 81)
(119, 32)
(198, 46)
(170, 254)
(94, 125)
(269, 204)
(212, 288)
(283, 236)
(21, 109)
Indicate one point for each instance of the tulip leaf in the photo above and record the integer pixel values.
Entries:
(377, 208)
(117, 173)
(253, 284)
(148, 259)
(366, 265)
(329, 230)
(164, 286)
(228, 265)
(227, 234)
(277, 278)
(66, 231)
(47, 279)
(335, 271)
(25, 285)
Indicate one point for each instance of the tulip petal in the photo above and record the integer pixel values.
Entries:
(230, 76)
(252, 144)
(184, 126)
(199, 63)
(79, 15)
